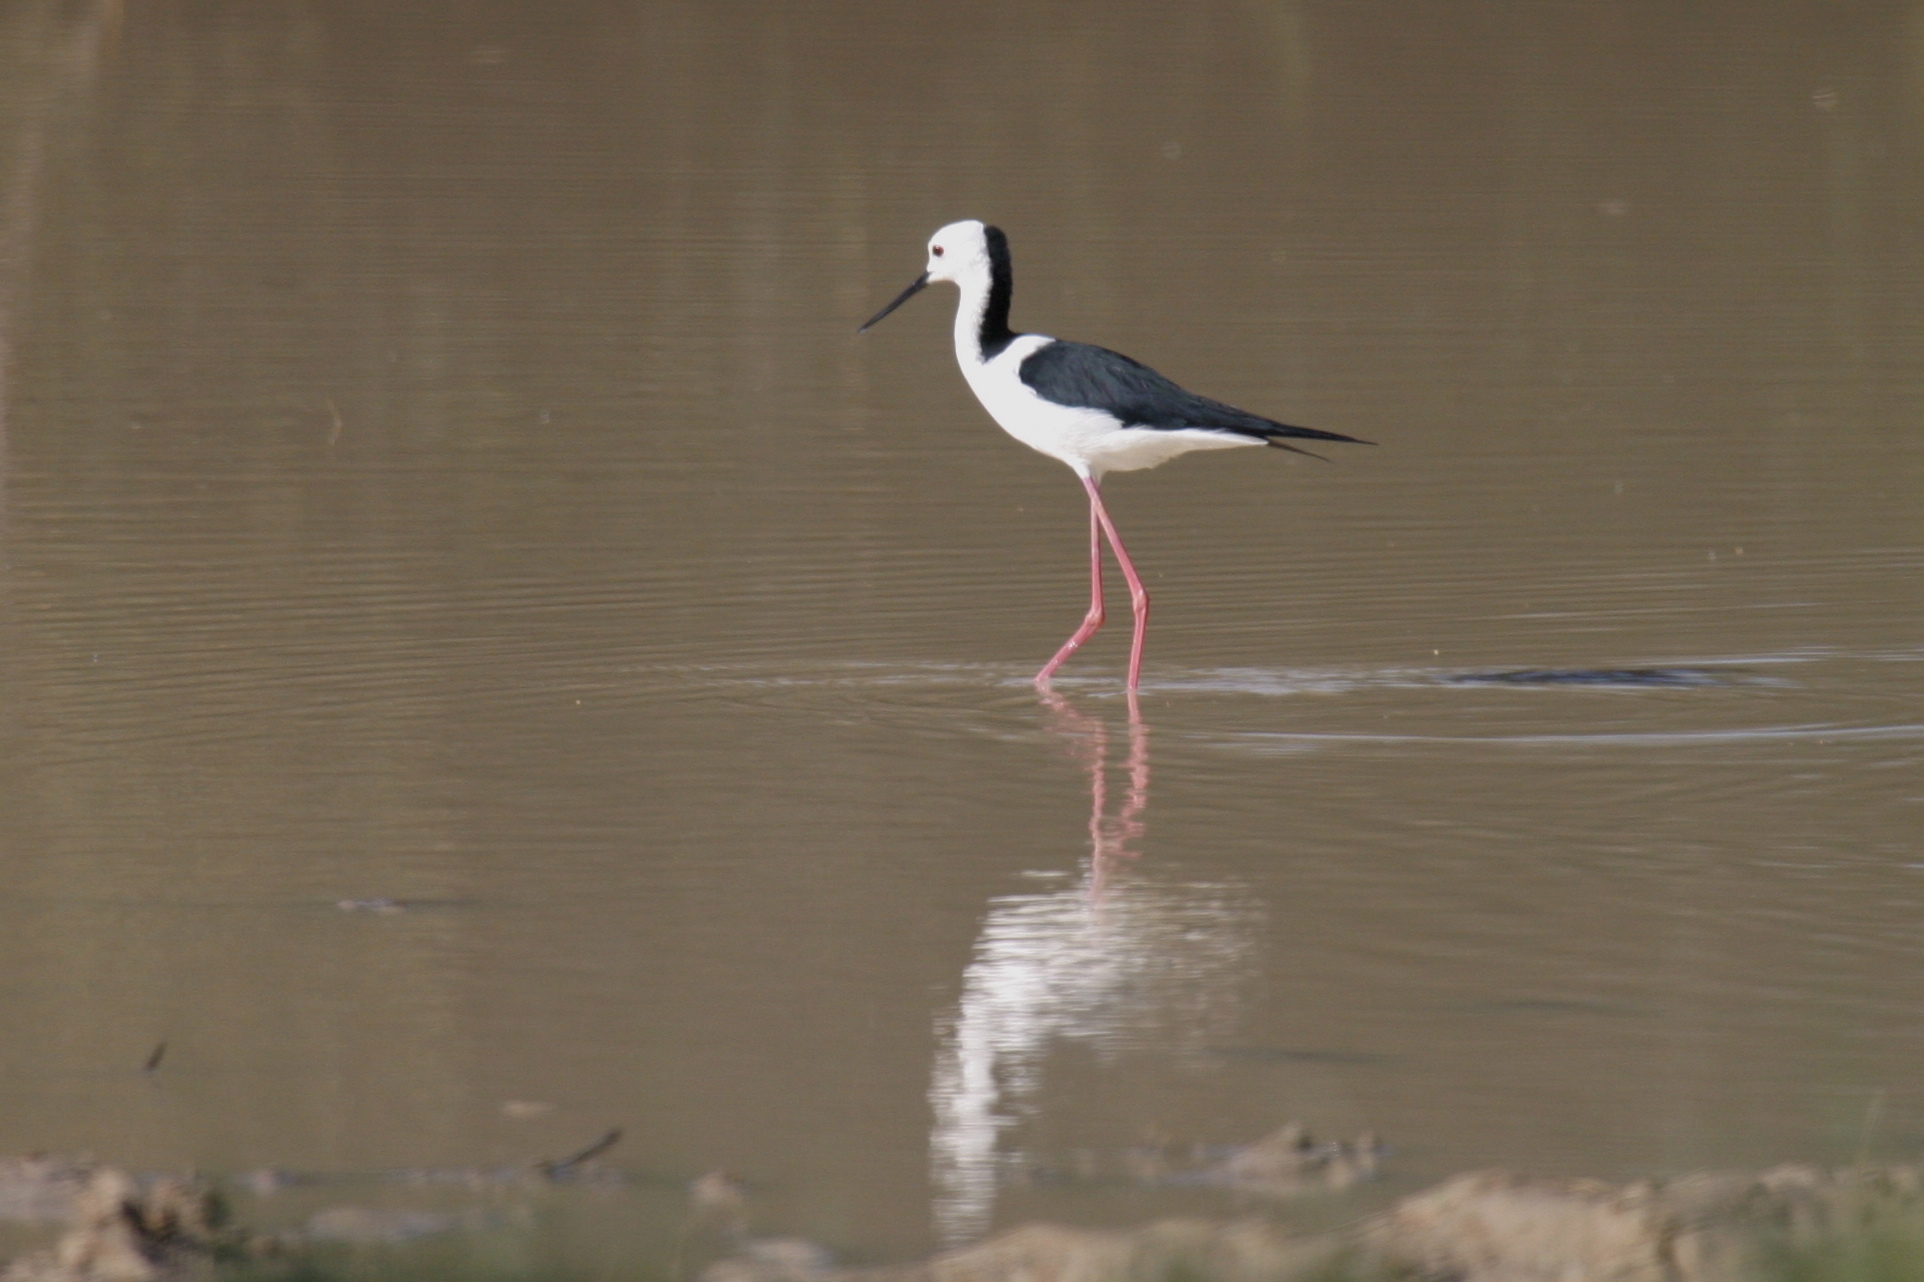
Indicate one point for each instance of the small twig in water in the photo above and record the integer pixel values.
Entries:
(334, 435)
(155, 1056)
(553, 1169)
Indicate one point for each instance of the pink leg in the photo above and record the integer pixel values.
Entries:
(1093, 619)
(1138, 595)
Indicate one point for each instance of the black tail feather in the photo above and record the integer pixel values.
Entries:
(1273, 430)
(1273, 436)
(1273, 443)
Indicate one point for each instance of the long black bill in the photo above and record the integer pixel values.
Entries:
(921, 283)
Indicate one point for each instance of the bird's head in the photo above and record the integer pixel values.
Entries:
(959, 252)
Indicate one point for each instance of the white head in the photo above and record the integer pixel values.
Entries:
(959, 251)
(970, 253)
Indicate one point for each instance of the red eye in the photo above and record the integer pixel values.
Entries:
(936, 250)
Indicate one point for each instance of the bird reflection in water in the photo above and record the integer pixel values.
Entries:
(1111, 840)
(1120, 960)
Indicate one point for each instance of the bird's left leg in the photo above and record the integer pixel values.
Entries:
(1138, 595)
(1093, 619)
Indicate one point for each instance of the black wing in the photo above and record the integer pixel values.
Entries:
(1096, 378)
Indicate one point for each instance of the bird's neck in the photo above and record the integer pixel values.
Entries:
(982, 317)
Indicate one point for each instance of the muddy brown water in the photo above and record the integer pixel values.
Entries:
(439, 467)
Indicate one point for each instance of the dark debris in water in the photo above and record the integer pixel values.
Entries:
(564, 1168)
(1628, 678)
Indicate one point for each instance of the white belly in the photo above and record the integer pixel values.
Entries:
(1090, 441)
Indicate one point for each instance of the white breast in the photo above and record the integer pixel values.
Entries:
(1059, 431)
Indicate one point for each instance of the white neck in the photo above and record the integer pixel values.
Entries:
(968, 318)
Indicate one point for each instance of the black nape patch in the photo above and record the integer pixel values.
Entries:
(995, 334)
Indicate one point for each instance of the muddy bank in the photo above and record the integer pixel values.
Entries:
(121, 1229)
(1789, 1222)
(1494, 1226)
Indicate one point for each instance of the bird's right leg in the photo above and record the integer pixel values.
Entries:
(1093, 619)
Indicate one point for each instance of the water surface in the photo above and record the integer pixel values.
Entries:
(439, 467)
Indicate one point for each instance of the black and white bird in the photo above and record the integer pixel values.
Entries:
(1094, 409)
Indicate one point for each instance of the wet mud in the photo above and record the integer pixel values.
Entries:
(122, 1229)
(1493, 1226)
(1787, 1222)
